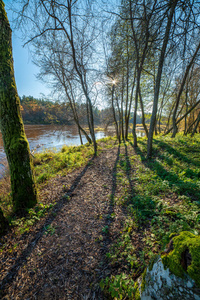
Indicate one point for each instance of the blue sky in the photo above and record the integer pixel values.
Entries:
(25, 70)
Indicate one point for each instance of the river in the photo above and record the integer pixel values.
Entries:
(52, 137)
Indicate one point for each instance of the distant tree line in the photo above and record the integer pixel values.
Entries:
(40, 111)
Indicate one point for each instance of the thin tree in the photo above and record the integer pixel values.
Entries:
(54, 64)
(197, 123)
(70, 21)
(181, 89)
(187, 113)
(172, 5)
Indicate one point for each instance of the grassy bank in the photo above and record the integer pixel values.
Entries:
(158, 197)
(161, 196)
(47, 165)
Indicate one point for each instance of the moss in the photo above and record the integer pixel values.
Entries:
(16, 146)
(3, 223)
(143, 281)
(137, 291)
(174, 260)
(153, 260)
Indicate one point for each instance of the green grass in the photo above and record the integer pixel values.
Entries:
(47, 165)
(161, 197)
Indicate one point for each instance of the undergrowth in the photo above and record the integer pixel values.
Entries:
(47, 165)
(161, 196)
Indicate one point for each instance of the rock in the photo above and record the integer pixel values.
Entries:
(175, 274)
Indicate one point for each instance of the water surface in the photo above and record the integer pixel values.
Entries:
(51, 137)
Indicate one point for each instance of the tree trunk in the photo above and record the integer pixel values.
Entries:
(3, 223)
(158, 78)
(186, 103)
(130, 105)
(119, 114)
(135, 110)
(188, 112)
(168, 119)
(83, 82)
(143, 115)
(79, 132)
(76, 119)
(197, 123)
(16, 146)
(114, 115)
(181, 90)
(122, 112)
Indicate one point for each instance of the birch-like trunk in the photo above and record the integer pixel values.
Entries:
(158, 77)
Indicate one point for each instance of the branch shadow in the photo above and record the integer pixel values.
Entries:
(113, 191)
(178, 154)
(14, 270)
(128, 172)
(182, 187)
(108, 219)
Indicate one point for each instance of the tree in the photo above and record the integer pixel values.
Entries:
(55, 64)
(3, 223)
(181, 90)
(187, 113)
(172, 6)
(16, 146)
(69, 21)
(141, 17)
(121, 73)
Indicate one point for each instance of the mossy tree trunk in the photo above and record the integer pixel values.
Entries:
(15, 143)
(3, 223)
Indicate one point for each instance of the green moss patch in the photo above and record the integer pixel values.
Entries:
(186, 244)
(143, 280)
(137, 291)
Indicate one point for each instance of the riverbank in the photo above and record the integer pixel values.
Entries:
(52, 137)
(100, 220)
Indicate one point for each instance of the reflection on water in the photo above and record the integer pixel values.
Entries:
(50, 137)
(54, 137)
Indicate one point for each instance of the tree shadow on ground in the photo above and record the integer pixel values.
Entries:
(141, 207)
(128, 172)
(180, 186)
(23, 258)
(171, 150)
(108, 219)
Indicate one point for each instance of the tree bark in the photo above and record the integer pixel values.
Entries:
(186, 103)
(3, 223)
(181, 90)
(114, 115)
(129, 109)
(158, 77)
(16, 146)
(143, 115)
(188, 112)
(122, 110)
(75, 114)
(197, 123)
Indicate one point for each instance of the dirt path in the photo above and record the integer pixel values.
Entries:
(69, 261)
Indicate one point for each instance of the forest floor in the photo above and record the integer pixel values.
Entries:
(100, 222)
